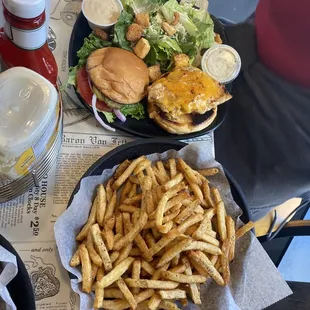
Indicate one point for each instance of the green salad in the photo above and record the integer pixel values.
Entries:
(192, 31)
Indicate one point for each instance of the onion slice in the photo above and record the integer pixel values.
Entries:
(120, 115)
(99, 120)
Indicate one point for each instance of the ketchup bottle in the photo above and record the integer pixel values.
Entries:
(23, 41)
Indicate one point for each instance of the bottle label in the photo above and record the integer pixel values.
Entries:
(26, 39)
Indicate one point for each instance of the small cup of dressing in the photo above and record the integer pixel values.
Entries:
(222, 62)
(102, 14)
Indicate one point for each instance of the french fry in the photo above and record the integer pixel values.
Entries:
(208, 172)
(165, 228)
(175, 260)
(109, 190)
(174, 181)
(207, 194)
(123, 254)
(244, 229)
(154, 284)
(135, 274)
(150, 241)
(206, 238)
(193, 288)
(86, 269)
(135, 252)
(216, 196)
(100, 247)
(168, 305)
(94, 269)
(113, 293)
(188, 171)
(114, 256)
(154, 302)
(192, 220)
(116, 304)
(116, 273)
(162, 170)
(172, 294)
(220, 212)
(127, 172)
(133, 191)
(126, 221)
(172, 167)
(119, 224)
(161, 180)
(164, 199)
(182, 278)
(197, 192)
(128, 208)
(164, 241)
(150, 173)
(132, 233)
(126, 190)
(109, 236)
(147, 267)
(111, 206)
(100, 273)
(231, 236)
(121, 168)
(225, 261)
(133, 200)
(75, 260)
(187, 212)
(204, 247)
(149, 202)
(142, 166)
(101, 205)
(99, 296)
(203, 261)
(91, 220)
(144, 295)
(173, 251)
(133, 179)
(94, 256)
(127, 293)
(178, 269)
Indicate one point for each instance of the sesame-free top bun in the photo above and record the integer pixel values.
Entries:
(118, 74)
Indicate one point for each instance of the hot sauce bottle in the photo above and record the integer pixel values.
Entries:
(23, 40)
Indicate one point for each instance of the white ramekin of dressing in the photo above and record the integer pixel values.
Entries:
(222, 62)
(29, 123)
(102, 14)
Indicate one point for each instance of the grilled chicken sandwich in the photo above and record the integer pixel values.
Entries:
(185, 100)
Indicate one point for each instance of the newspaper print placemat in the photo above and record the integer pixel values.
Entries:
(28, 221)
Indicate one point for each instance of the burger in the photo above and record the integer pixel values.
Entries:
(185, 100)
(114, 81)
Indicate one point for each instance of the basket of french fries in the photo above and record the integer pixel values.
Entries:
(154, 232)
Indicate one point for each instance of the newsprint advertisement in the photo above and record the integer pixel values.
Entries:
(28, 221)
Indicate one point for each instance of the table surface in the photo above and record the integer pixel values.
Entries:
(28, 221)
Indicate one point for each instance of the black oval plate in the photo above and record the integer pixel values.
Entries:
(20, 288)
(144, 147)
(145, 128)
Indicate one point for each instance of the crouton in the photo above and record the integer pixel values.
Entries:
(170, 30)
(134, 32)
(176, 18)
(217, 38)
(142, 48)
(181, 60)
(100, 34)
(154, 73)
(143, 19)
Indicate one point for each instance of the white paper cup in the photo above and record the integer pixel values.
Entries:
(93, 24)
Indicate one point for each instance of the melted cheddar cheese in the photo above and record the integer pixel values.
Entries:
(185, 90)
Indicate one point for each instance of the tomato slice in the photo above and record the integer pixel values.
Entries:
(85, 91)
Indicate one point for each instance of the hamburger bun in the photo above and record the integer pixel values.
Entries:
(185, 124)
(118, 74)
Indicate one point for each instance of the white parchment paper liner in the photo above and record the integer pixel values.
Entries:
(7, 274)
(255, 281)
